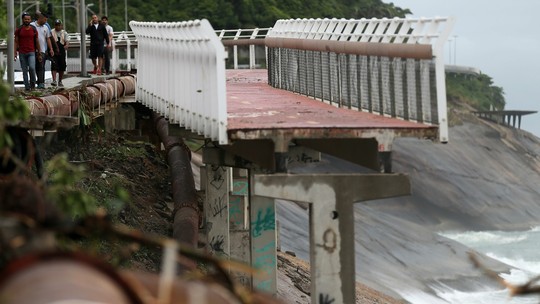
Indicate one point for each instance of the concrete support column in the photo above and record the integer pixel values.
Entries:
(263, 242)
(331, 242)
(239, 224)
(331, 221)
(216, 210)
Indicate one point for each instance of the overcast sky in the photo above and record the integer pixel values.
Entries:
(499, 37)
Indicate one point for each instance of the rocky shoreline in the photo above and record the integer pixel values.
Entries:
(294, 284)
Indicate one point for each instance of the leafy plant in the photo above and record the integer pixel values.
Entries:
(476, 90)
(61, 189)
(11, 110)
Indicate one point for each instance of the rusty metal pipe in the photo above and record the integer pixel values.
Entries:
(186, 210)
(105, 96)
(74, 99)
(36, 106)
(94, 96)
(82, 278)
(230, 42)
(414, 51)
(118, 87)
(57, 105)
(129, 84)
(28, 280)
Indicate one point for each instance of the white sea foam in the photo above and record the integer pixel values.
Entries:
(525, 270)
(517, 249)
(476, 237)
(482, 297)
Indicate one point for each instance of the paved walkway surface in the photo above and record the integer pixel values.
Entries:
(255, 109)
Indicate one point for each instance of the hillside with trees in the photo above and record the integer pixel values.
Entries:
(221, 13)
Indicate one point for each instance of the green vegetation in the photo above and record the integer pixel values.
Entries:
(10, 111)
(477, 91)
(62, 190)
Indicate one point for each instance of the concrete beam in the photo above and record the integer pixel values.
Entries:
(252, 154)
(348, 187)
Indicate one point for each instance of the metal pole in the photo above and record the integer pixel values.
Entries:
(455, 50)
(126, 16)
(106, 8)
(450, 51)
(63, 13)
(82, 23)
(10, 43)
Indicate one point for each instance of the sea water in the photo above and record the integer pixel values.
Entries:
(519, 249)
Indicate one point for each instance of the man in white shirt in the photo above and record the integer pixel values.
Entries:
(108, 46)
(44, 35)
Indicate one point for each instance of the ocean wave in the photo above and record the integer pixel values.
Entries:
(482, 295)
(481, 237)
(525, 269)
(535, 229)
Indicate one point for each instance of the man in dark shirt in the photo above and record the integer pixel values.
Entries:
(98, 37)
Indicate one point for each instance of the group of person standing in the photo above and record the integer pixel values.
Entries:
(36, 42)
(101, 40)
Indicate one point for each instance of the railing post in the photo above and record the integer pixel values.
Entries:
(252, 49)
(235, 49)
(128, 54)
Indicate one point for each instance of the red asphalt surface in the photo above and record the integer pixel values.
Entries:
(252, 104)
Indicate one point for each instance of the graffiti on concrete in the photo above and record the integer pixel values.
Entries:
(301, 158)
(240, 187)
(217, 244)
(218, 206)
(329, 241)
(263, 222)
(326, 299)
(217, 176)
(265, 262)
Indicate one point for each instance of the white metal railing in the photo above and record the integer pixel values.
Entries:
(400, 85)
(124, 53)
(242, 34)
(181, 74)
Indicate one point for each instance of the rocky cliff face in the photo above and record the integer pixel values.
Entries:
(486, 178)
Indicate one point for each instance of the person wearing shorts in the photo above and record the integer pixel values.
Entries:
(98, 37)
